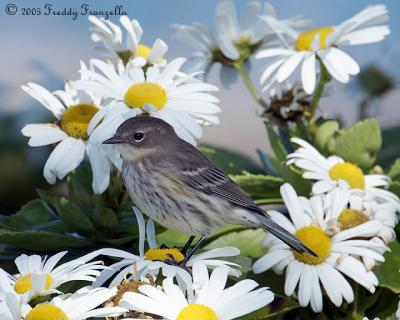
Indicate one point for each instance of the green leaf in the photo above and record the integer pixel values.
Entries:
(325, 132)
(293, 176)
(388, 272)
(276, 144)
(73, 216)
(394, 171)
(40, 240)
(32, 213)
(172, 238)
(395, 187)
(360, 143)
(105, 218)
(259, 186)
(385, 306)
(220, 162)
(80, 185)
(247, 241)
(229, 161)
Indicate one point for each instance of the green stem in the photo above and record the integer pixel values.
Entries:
(324, 78)
(355, 303)
(239, 66)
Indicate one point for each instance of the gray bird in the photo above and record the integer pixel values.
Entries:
(177, 186)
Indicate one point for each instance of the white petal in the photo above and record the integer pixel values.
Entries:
(43, 134)
(100, 167)
(308, 74)
(65, 157)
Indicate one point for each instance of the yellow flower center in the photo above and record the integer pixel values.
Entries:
(46, 312)
(160, 254)
(24, 284)
(75, 120)
(316, 240)
(143, 51)
(351, 218)
(305, 38)
(348, 172)
(140, 94)
(197, 312)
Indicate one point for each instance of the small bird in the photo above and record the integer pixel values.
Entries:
(177, 186)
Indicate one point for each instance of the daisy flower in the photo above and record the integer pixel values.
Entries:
(350, 211)
(155, 259)
(132, 50)
(73, 111)
(234, 39)
(333, 172)
(338, 255)
(37, 276)
(77, 306)
(356, 210)
(209, 300)
(159, 92)
(323, 44)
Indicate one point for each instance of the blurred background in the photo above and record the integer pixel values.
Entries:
(47, 50)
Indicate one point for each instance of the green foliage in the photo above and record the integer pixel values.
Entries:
(230, 162)
(278, 164)
(394, 171)
(80, 220)
(358, 144)
(276, 144)
(248, 241)
(40, 240)
(324, 134)
(388, 272)
(259, 186)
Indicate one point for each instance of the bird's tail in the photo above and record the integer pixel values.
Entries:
(282, 234)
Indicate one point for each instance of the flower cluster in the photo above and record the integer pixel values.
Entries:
(347, 222)
(89, 110)
(185, 290)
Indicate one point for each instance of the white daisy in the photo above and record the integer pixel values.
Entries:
(349, 211)
(129, 50)
(235, 38)
(12, 304)
(356, 210)
(323, 44)
(152, 261)
(333, 172)
(37, 276)
(73, 110)
(158, 91)
(77, 306)
(209, 300)
(337, 255)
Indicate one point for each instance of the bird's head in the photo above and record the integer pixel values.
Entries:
(142, 135)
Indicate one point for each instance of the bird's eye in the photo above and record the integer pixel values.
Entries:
(138, 136)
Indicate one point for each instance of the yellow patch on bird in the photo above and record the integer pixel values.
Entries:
(197, 312)
(305, 38)
(46, 312)
(316, 240)
(75, 120)
(141, 94)
(163, 254)
(348, 172)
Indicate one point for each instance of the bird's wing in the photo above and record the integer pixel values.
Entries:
(199, 173)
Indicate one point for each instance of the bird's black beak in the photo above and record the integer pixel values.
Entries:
(114, 140)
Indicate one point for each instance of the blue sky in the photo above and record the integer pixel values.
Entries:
(47, 50)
